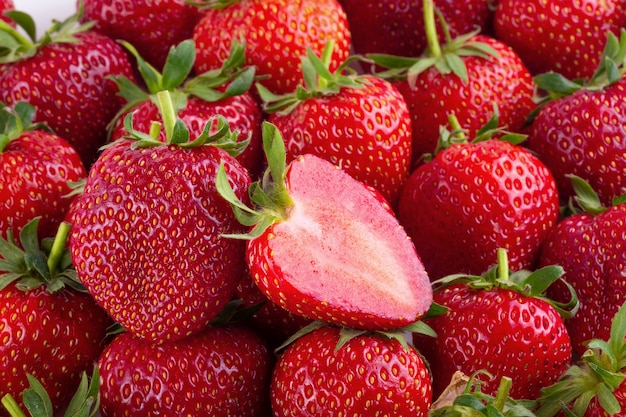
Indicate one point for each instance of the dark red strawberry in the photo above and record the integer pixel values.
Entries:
(359, 123)
(152, 26)
(565, 36)
(49, 326)
(501, 323)
(475, 197)
(221, 371)
(64, 75)
(35, 168)
(276, 34)
(324, 246)
(340, 372)
(147, 238)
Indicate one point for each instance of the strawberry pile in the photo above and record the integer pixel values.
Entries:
(273, 208)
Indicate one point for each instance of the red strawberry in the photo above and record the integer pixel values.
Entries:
(48, 328)
(152, 26)
(474, 198)
(325, 247)
(147, 238)
(501, 324)
(466, 76)
(276, 33)
(579, 128)
(589, 247)
(35, 168)
(221, 371)
(337, 372)
(565, 36)
(360, 123)
(6, 6)
(64, 75)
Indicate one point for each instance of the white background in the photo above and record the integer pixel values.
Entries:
(44, 11)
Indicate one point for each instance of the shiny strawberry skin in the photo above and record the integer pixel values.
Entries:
(54, 337)
(34, 173)
(502, 81)
(366, 131)
(582, 134)
(472, 199)
(222, 371)
(277, 33)
(146, 238)
(590, 250)
(500, 331)
(368, 375)
(564, 36)
(67, 84)
(151, 26)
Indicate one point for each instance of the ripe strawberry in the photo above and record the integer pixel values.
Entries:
(147, 238)
(64, 76)
(325, 247)
(565, 36)
(466, 76)
(360, 123)
(35, 168)
(48, 328)
(221, 371)
(579, 129)
(589, 247)
(151, 26)
(276, 34)
(503, 324)
(475, 197)
(6, 6)
(339, 372)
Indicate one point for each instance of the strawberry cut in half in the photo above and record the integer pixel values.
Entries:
(324, 246)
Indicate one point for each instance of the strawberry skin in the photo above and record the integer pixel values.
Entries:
(147, 241)
(222, 371)
(367, 376)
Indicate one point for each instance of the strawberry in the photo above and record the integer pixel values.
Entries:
(50, 327)
(147, 237)
(340, 372)
(64, 76)
(466, 76)
(35, 168)
(589, 246)
(501, 323)
(6, 6)
(578, 129)
(151, 26)
(221, 371)
(564, 36)
(360, 123)
(596, 385)
(475, 197)
(276, 34)
(324, 246)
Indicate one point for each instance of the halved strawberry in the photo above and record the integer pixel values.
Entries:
(325, 247)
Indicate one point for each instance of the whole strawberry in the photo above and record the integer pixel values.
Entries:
(147, 240)
(35, 168)
(565, 36)
(221, 371)
(339, 372)
(276, 33)
(152, 26)
(501, 323)
(64, 75)
(51, 328)
(475, 197)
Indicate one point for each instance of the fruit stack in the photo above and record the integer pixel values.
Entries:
(314, 208)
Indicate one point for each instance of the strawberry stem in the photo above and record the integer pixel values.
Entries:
(12, 406)
(431, 29)
(168, 113)
(503, 393)
(58, 246)
(503, 265)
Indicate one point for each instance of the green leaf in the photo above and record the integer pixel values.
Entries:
(275, 152)
(346, 334)
(25, 21)
(150, 75)
(457, 66)
(178, 64)
(28, 236)
(607, 400)
(539, 281)
(586, 197)
(421, 328)
(36, 399)
(556, 84)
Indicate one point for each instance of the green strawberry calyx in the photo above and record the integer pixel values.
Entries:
(318, 81)
(598, 374)
(528, 283)
(16, 120)
(46, 263)
(211, 4)
(586, 199)
(446, 58)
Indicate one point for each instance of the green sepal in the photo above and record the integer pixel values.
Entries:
(36, 399)
(233, 312)
(312, 326)
(211, 4)
(16, 120)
